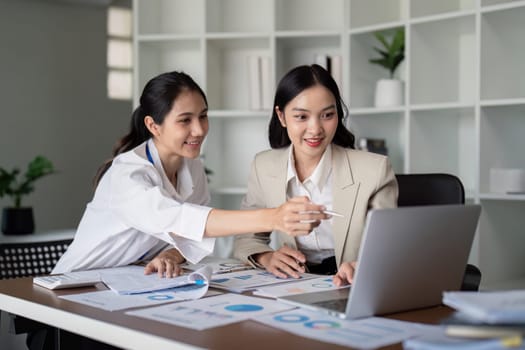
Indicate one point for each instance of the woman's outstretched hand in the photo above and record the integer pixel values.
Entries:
(298, 216)
(166, 264)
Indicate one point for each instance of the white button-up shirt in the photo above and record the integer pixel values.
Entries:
(136, 212)
(318, 244)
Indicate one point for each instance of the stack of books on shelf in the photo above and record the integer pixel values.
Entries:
(259, 82)
(334, 65)
(372, 145)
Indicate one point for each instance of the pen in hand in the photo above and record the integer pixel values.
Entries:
(328, 212)
(333, 213)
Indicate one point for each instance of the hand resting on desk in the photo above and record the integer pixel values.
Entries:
(166, 263)
(345, 273)
(284, 262)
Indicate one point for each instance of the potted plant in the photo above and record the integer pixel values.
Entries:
(389, 92)
(17, 219)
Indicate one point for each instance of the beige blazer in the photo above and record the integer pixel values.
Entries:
(361, 181)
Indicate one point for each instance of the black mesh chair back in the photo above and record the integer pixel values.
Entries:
(436, 189)
(30, 259)
(429, 189)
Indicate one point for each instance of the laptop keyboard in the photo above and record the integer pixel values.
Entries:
(337, 305)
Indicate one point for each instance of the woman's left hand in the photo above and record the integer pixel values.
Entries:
(166, 264)
(345, 274)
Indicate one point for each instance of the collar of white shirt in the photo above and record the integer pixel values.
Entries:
(184, 179)
(320, 174)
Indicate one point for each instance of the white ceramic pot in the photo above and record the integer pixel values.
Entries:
(389, 93)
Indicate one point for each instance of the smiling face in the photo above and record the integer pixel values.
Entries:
(310, 120)
(184, 128)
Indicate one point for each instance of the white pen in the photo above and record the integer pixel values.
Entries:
(234, 269)
(333, 213)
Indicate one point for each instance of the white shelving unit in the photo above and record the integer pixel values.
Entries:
(464, 76)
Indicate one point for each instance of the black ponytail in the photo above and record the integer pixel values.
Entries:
(156, 101)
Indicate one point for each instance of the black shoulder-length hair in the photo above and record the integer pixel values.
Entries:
(292, 84)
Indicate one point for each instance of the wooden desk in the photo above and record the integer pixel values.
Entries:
(21, 297)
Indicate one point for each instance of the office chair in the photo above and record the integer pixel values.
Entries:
(436, 189)
(30, 259)
(25, 260)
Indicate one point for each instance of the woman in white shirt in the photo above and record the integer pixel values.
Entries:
(150, 199)
(313, 155)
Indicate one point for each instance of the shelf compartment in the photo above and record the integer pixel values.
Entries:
(238, 16)
(295, 51)
(227, 71)
(423, 8)
(230, 147)
(497, 3)
(162, 56)
(501, 241)
(213, 113)
(170, 16)
(364, 13)
(387, 126)
(444, 141)
(309, 15)
(502, 197)
(443, 61)
(365, 74)
(376, 110)
(501, 140)
(502, 54)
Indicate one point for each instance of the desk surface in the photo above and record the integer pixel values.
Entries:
(21, 297)
(55, 235)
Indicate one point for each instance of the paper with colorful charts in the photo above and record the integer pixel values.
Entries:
(211, 312)
(298, 287)
(111, 301)
(242, 281)
(366, 333)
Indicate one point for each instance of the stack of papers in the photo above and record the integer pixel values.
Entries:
(132, 280)
(136, 282)
(218, 265)
(486, 319)
(506, 307)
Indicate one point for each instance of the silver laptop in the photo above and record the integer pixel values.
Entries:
(408, 257)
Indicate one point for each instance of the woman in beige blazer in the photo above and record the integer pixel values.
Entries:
(313, 155)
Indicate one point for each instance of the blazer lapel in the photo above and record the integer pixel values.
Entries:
(277, 172)
(345, 194)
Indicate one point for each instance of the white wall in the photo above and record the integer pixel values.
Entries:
(53, 102)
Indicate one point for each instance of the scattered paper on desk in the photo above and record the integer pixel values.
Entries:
(367, 333)
(110, 301)
(218, 265)
(242, 281)
(132, 280)
(490, 307)
(298, 287)
(211, 312)
(435, 338)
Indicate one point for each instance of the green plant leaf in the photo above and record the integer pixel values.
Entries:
(40, 166)
(382, 62)
(379, 36)
(9, 186)
(393, 54)
(6, 180)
